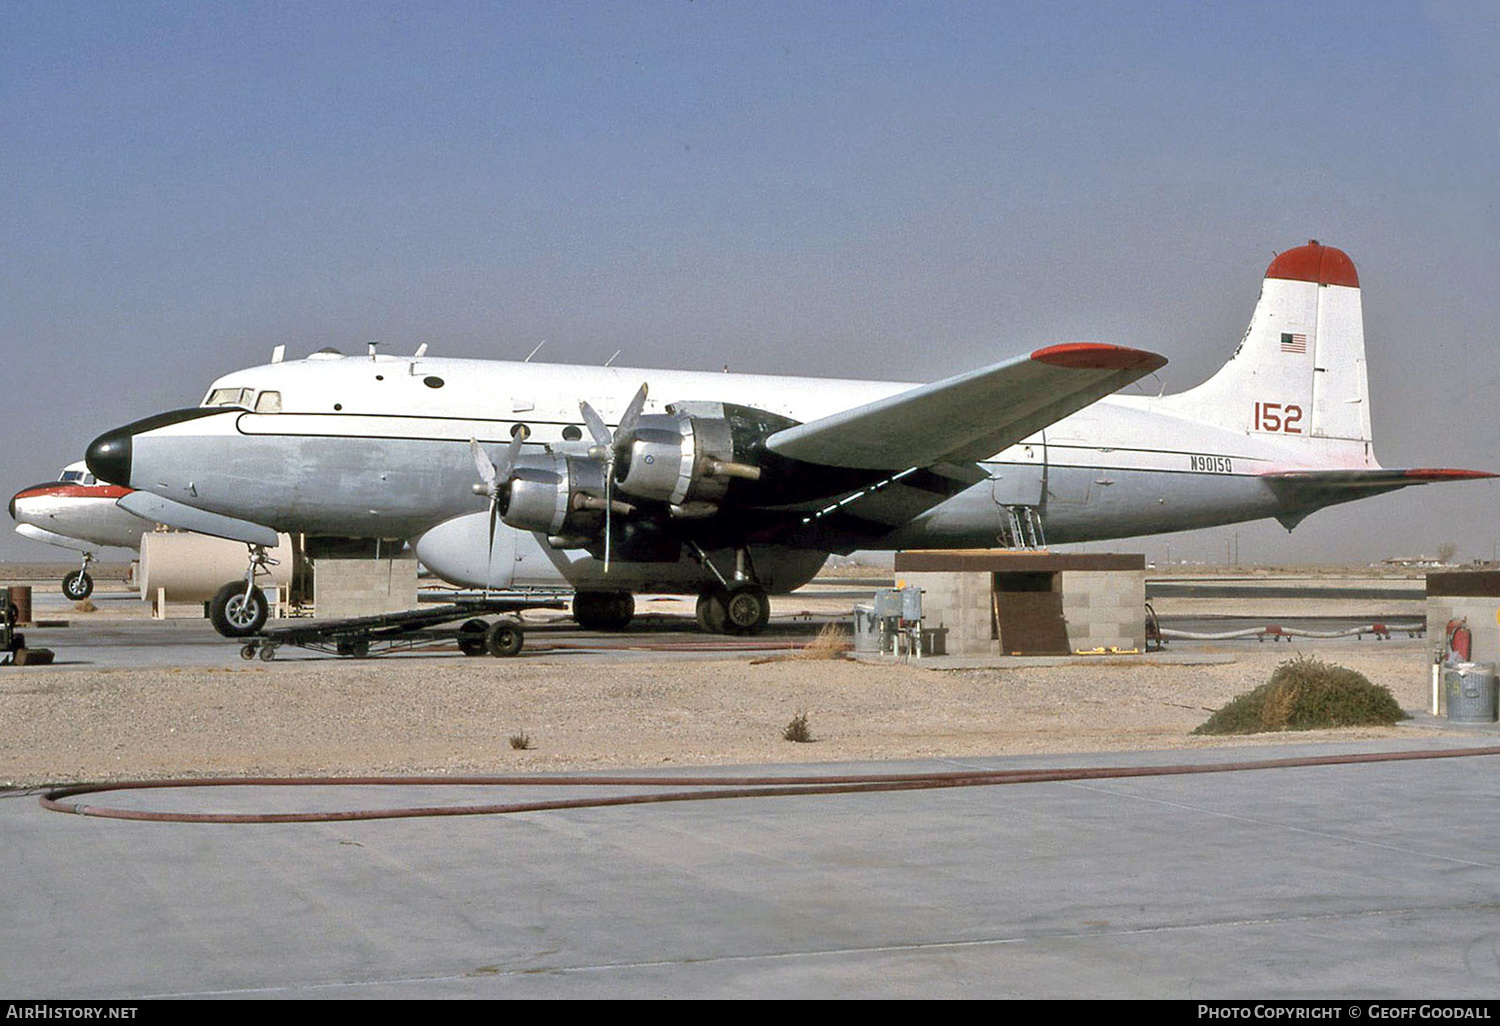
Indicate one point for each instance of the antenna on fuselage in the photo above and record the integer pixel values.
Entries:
(421, 352)
(611, 360)
(278, 354)
(372, 349)
(534, 351)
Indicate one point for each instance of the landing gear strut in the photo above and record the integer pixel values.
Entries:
(78, 585)
(239, 609)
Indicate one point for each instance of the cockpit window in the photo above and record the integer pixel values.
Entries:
(229, 397)
(268, 402)
(72, 476)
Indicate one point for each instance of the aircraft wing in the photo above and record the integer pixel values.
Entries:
(970, 416)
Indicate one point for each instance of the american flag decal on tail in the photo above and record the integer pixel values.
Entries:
(1293, 343)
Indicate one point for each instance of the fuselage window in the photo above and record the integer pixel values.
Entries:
(268, 402)
(433, 381)
(520, 431)
(572, 433)
(229, 397)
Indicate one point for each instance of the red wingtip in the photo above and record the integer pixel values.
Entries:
(1099, 356)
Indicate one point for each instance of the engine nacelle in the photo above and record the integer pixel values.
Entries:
(680, 459)
(556, 495)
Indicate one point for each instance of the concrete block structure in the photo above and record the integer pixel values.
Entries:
(1009, 602)
(1471, 594)
(363, 586)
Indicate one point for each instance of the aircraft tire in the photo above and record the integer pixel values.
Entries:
(711, 612)
(747, 610)
(235, 614)
(78, 585)
(603, 610)
(504, 638)
(471, 637)
(357, 648)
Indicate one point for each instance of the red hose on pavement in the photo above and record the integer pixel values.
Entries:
(713, 788)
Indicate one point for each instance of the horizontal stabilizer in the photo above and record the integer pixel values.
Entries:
(1303, 491)
(1380, 480)
(190, 518)
(970, 416)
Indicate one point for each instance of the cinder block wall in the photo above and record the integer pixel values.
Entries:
(1481, 612)
(1105, 609)
(363, 587)
(959, 602)
(1475, 594)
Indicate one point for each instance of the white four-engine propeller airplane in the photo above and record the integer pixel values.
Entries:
(741, 485)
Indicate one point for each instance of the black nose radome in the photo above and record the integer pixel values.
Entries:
(108, 456)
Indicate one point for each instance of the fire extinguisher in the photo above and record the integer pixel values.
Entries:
(1460, 640)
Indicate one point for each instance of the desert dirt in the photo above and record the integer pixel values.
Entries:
(446, 714)
(449, 714)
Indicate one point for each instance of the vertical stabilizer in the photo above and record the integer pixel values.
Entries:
(1300, 370)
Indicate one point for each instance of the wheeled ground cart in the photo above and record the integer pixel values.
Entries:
(362, 636)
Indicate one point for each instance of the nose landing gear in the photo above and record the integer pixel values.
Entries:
(78, 585)
(240, 609)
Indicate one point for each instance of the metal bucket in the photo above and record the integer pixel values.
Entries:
(866, 629)
(1470, 690)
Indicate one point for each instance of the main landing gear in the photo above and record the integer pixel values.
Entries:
(741, 609)
(78, 585)
(737, 605)
(239, 609)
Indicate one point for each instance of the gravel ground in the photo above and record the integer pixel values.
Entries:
(449, 714)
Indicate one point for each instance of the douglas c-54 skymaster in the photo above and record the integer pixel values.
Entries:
(502, 474)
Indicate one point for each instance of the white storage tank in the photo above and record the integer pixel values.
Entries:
(193, 567)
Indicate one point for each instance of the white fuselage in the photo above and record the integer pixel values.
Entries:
(380, 447)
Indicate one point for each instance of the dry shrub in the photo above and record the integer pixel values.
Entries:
(85, 606)
(520, 742)
(798, 730)
(1306, 693)
(832, 642)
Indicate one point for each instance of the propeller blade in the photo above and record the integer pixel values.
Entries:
(625, 433)
(609, 518)
(483, 465)
(489, 557)
(507, 465)
(596, 425)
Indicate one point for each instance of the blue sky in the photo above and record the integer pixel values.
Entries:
(868, 189)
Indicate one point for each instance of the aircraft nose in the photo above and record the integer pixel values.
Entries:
(108, 456)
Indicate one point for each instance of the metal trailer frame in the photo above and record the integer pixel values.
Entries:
(383, 633)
